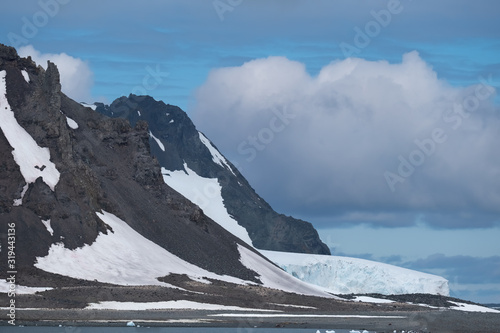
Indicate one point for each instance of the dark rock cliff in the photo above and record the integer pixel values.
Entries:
(104, 164)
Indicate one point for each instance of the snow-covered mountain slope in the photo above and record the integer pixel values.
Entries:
(124, 257)
(56, 174)
(344, 275)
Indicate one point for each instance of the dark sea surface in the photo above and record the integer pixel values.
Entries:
(71, 329)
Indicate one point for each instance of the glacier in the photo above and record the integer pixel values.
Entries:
(345, 275)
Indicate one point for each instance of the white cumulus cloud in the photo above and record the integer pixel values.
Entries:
(361, 138)
(76, 75)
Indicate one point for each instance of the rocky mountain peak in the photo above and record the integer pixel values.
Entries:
(91, 164)
(176, 143)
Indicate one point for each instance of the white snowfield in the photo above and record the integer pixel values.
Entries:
(125, 257)
(166, 305)
(344, 275)
(472, 308)
(122, 257)
(33, 160)
(205, 193)
(368, 299)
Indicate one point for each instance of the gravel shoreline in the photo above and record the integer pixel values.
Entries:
(418, 321)
(67, 306)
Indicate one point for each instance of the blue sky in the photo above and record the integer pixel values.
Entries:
(241, 62)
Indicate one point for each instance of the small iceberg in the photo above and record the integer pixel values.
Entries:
(131, 324)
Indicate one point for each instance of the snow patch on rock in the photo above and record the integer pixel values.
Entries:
(19, 202)
(166, 305)
(160, 144)
(92, 106)
(26, 76)
(71, 123)
(6, 286)
(368, 299)
(216, 155)
(205, 193)
(33, 160)
(46, 223)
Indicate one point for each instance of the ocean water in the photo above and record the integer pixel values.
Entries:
(72, 329)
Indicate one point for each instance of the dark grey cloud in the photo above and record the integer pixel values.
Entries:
(462, 269)
(361, 142)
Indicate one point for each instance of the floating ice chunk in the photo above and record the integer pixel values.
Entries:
(33, 160)
(139, 113)
(131, 324)
(171, 121)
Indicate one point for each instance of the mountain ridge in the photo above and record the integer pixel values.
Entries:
(101, 163)
(180, 142)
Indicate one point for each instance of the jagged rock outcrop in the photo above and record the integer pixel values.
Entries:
(180, 143)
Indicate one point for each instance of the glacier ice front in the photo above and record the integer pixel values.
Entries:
(344, 275)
